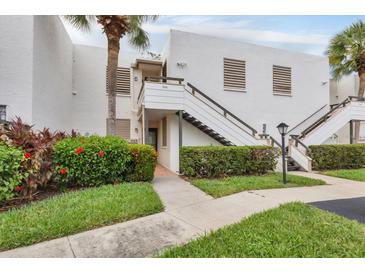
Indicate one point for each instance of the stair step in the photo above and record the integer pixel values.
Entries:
(292, 165)
(206, 129)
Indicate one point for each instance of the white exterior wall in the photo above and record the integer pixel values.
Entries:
(89, 83)
(16, 66)
(192, 136)
(204, 55)
(52, 74)
(340, 90)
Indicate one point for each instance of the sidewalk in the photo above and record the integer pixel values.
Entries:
(189, 212)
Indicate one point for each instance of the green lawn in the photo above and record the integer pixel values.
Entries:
(351, 174)
(76, 211)
(291, 230)
(229, 185)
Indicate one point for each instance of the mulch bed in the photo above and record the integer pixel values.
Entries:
(42, 194)
(21, 201)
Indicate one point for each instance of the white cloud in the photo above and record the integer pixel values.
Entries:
(233, 28)
(242, 30)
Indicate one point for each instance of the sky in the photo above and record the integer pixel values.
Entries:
(308, 34)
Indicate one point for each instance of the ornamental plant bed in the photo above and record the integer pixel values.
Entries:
(41, 194)
(18, 202)
(37, 164)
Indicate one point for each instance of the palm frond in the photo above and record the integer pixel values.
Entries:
(346, 49)
(138, 37)
(81, 22)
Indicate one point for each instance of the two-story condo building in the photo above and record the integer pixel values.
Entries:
(202, 91)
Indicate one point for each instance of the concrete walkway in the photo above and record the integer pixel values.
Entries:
(188, 213)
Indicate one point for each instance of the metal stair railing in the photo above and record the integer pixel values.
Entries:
(325, 117)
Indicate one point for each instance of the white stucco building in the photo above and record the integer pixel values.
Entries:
(216, 91)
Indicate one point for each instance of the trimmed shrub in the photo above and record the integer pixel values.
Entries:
(143, 163)
(337, 156)
(219, 161)
(38, 146)
(91, 161)
(11, 160)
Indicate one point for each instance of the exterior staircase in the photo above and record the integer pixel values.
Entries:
(351, 109)
(207, 130)
(222, 125)
(292, 165)
(168, 93)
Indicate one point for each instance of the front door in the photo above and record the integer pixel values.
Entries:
(152, 137)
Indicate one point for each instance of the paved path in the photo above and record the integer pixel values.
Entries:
(188, 213)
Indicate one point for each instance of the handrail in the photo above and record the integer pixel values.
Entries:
(180, 80)
(148, 78)
(225, 111)
(324, 117)
(306, 119)
(297, 141)
(273, 141)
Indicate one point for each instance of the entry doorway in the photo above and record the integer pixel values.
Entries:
(152, 137)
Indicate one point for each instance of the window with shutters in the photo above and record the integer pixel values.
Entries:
(164, 132)
(123, 128)
(123, 80)
(234, 74)
(282, 80)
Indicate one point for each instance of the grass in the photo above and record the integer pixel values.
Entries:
(229, 185)
(351, 174)
(291, 230)
(76, 211)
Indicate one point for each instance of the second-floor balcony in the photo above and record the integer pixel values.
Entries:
(162, 93)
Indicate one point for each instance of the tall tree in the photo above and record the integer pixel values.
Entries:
(346, 53)
(115, 27)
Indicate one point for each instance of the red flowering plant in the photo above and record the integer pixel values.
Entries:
(38, 152)
(91, 161)
(79, 150)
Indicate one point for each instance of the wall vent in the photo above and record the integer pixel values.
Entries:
(282, 80)
(123, 80)
(123, 127)
(234, 74)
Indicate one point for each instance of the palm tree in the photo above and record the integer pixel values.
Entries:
(346, 53)
(115, 27)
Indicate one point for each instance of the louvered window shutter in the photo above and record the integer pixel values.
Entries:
(234, 74)
(123, 80)
(282, 80)
(123, 128)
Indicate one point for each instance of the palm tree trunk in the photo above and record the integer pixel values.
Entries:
(360, 94)
(113, 53)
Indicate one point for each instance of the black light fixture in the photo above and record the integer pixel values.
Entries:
(283, 129)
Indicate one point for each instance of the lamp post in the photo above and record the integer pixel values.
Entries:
(283, 128)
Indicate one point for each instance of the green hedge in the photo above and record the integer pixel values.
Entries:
(337, 156)
(142, 166)
(218, 161)
(91, 161)
(10, 164)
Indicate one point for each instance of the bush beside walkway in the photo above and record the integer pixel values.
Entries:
(219, 161)
(326, 157)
